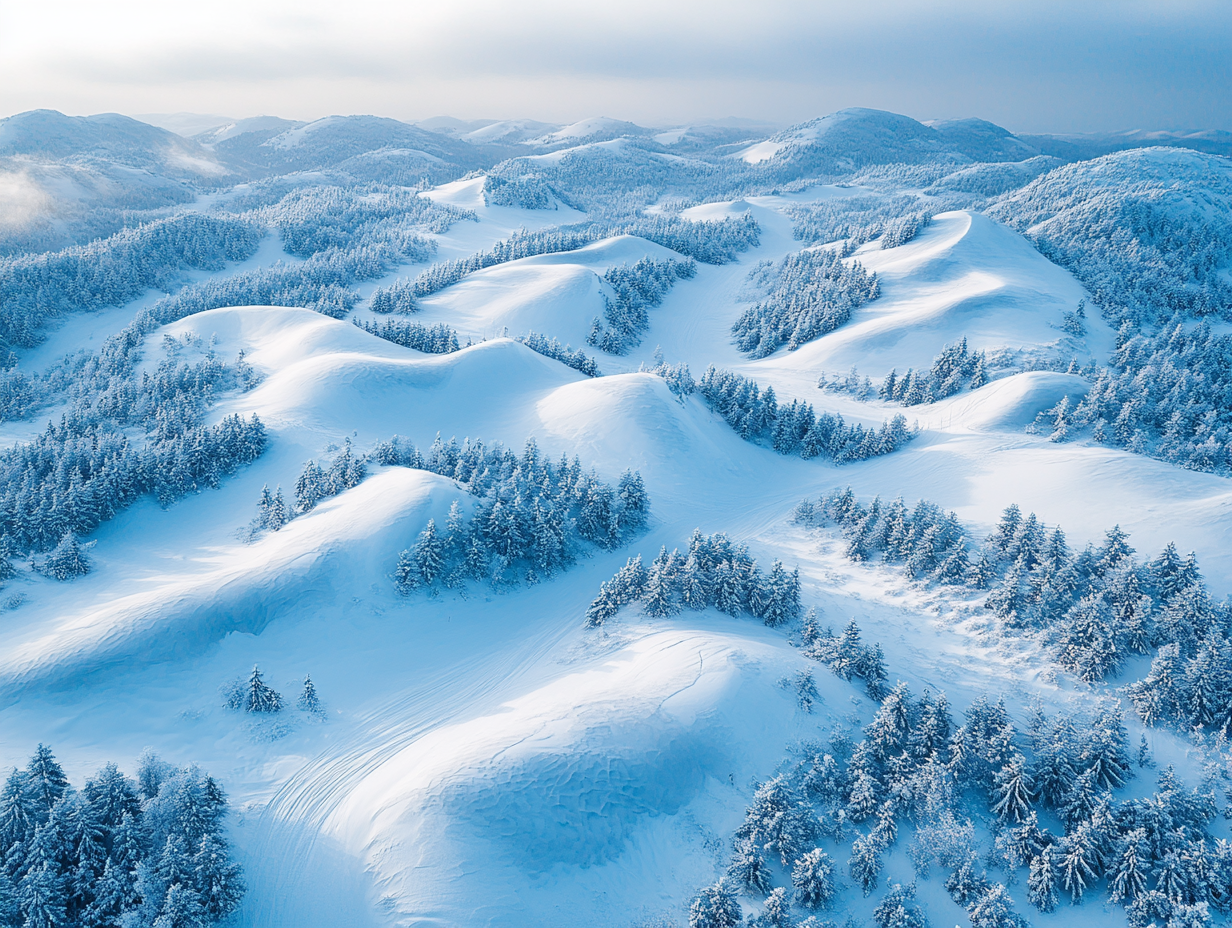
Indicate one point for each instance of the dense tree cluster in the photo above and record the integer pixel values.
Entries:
(531, 517)
(565, 354)
(322, 283)
(117, 853)
(1148, 232)
(431, 339)
(312, 219)
(808, 294)
(637, 287)
(398, 297)
(795, 428)
(520, 192)
(82, 471)
(714, 572)
(916, 768)
(1096, 608)
(855, 221)
(953, 369)
(114, 270)
(1168, 395)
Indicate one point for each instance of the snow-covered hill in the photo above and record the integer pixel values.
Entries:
(488, 756)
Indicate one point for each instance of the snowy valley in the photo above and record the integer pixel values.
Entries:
(550, 525)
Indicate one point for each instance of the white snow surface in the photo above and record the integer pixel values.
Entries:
(484, 760)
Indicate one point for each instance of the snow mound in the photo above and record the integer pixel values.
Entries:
(1008, 404)
(593, 129)
(965, 276)
(849, 139)
(571, 783)
(558, 295)
(189, 604)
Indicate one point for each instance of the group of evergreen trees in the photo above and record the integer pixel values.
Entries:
(117, 853)
(255, 695)
(1096, 609)
(914, 768)
(316, 218)
(795, 428)
(637, 287)
(82, 471)
(713, 573)
(431, 339)
(398, 297)
(1168, 395)
(112, 271)
(854, 221)
(710, 242)
(1148, 233)
(521, 192)
(953, 369)
(565, 354)
(808, 294)
(531, 517)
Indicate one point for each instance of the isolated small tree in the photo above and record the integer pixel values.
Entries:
(260, 697)
(308, 700)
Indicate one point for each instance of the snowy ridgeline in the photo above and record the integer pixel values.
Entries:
(1094, 610)
(531, 519)
(148, 853)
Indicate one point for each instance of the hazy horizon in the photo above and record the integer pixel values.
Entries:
(1038, 67)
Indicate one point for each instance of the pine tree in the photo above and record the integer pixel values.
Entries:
(1042, 883)
(748, 868)
(45, 780)
(715, 907)
(308, 700)
(217, 878)
(776, 913)
(657, 596)
(18, 815)
(406, 574)
(260, 697)
(603, 608)
(1014, 791)
(993, 909)
(10, 903)
(43, 898)
(1128, 876)
(812, 876)
(66, 561)
(898, 909)
(181, 908)
(1079, 861)
(865, 863)
(428, 555)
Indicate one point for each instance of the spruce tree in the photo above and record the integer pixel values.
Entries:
(1042, 882)
(259, 696)
(308, 700)
(812, 876)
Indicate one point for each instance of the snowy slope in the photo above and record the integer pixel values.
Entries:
(485, 760)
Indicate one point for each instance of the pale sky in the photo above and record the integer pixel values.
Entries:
(1042, 66)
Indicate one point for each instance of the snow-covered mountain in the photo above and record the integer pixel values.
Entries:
(631, 499)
